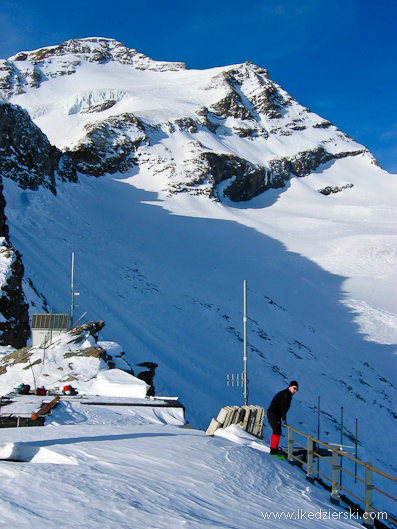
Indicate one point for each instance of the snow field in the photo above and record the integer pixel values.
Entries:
(85, 475)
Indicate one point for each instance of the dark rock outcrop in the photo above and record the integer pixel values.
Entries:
(303, 163)
(15, 330)
(248, 180)
(109, 146)
(334, 189)
(28, 158)
(26, 155)
(30, 69)
(14, 327)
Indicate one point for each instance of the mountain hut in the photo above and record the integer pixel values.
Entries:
(45, 327)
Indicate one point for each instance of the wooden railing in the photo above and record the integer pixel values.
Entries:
(334, 458)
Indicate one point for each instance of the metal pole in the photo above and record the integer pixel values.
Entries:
(318, 434)
(46, 342)
(31, 367)
(72, 286)
(290, 444)
(356, 454)
(245, 345)
(309, 475)
(51, 324)
(341, 445)
(335, 497)
(368, 521)
(77, 321)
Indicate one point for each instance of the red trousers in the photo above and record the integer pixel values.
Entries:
(274, 440)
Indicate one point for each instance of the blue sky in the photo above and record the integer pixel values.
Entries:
(337, 57)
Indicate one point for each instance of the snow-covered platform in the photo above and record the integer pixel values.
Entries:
(17, 410)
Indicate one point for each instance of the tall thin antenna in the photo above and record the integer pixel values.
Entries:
(72, 286)
(245, 376)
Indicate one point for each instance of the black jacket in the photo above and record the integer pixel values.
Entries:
(280, 404)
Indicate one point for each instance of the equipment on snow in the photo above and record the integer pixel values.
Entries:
(23, 389)
(69, 390)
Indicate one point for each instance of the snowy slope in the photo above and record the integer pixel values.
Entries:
(113, 467)
(164, 269)
(169, 287)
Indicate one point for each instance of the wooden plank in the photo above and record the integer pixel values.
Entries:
(45, 408)
(20, 422)
(213, 427)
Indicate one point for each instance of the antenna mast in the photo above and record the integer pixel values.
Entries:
(72, 286)
(243, 378)
(245, 374)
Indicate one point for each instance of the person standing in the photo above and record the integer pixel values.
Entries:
(277, 413)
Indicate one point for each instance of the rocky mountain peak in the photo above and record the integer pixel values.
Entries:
(31, 68)
(189, 130)
(94, 49)
(249, 93)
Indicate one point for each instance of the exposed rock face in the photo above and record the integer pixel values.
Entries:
(305, 162)
(93, 328)
(26, 155)
(14, 317)
(334, 189)
(14, 329)
(109, 146)
(247, 180)
(30, 69)
(250, 94)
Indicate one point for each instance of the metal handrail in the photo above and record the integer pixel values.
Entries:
(384, 474)
(336, 468)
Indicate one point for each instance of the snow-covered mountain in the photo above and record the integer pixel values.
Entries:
(113, 109)
(206, 178)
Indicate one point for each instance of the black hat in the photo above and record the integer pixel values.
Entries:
(294, 383)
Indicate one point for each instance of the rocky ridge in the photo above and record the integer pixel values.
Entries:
(242, 103)
(26, 155)
(14, 316)
(31, 69)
